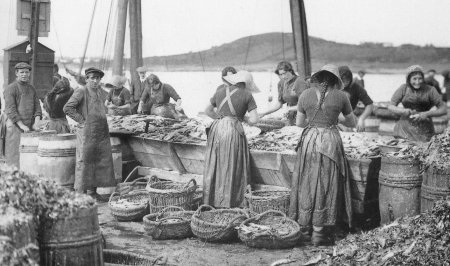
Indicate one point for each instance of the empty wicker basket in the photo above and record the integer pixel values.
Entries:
(163, 194)
(131, 206)
(219, 225)
(268, 198)
(271, 229)
(171, 223)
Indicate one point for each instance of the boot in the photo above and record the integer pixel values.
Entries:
(320, 237)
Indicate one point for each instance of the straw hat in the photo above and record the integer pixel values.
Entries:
(243, 76)
(333, 70)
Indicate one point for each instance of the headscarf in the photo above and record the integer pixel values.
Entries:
(345, 72)
(413, 70)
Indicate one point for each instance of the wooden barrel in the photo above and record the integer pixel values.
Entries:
(116, 150)
(400, 183)
(74, 240)
(28, 150)
(435, 186)
(56, 158)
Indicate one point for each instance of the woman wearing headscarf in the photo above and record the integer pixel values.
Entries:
(417, 99)
(158, 95)
(320, 191)
(118, 100)
(229, 70)
(290, 87)
(227, 161)
(54, 103)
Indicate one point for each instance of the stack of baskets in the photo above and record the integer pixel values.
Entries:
(271, 229)
(268, 198)
(219, 225)
(163, 194)
(171, 223)
(129, 206)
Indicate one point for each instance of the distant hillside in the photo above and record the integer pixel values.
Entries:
(263, 51)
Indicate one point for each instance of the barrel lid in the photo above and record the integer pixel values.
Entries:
(65, 136)
(39, 133)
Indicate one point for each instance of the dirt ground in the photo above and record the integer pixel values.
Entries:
(131, 237)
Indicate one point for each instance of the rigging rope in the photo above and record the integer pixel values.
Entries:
(57, 41)
(102, 59)
(282, 32)
(250, 37)
(87, 39)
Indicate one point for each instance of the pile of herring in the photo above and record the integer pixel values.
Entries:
(437, 152)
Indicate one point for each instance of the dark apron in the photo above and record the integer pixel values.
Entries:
(94, 166)
(227, 162)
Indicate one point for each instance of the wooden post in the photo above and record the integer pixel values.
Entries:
(139, 32)
(34, 36)
(134, 40)
(301, 42)
(122, 6)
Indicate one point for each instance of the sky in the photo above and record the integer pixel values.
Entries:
(180, 26)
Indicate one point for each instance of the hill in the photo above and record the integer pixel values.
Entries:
(264, 51)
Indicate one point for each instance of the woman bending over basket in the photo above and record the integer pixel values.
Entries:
(320, 193)
(227, 163)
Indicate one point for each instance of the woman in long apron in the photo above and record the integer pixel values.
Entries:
(320, 192)
(417, 99)
(227, 162)
(94, 165)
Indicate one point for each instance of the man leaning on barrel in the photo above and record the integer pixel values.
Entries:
(22, 109)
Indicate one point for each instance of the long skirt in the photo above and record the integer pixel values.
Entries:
(60, 125)
(227, 164)
(320, 192)
(416, 131)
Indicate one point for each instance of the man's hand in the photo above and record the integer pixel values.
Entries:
(360, 125)
(34, 127)
(24, 128)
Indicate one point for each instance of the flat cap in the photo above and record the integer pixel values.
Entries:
(141, 69)
(22, 65)
(94, 70)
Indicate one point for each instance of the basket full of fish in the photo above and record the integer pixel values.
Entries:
(171, 223)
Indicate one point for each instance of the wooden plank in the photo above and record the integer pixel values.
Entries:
(175, 159)
(149, 146)
(285, 172)
(154, 160)
(190, 151)
(170, 175)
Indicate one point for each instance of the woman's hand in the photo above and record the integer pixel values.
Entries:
(419, 116)
(360, 125)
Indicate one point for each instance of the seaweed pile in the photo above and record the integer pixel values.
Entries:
(419, 240)
(437, 152)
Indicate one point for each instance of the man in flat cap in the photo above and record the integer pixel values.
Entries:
(22, 109)
(94, 166)
(137, 88)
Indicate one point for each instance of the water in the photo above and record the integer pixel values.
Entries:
(196, 88)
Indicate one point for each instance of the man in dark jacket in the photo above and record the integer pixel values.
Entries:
(431, 81)
(356, 93)
(137, 88)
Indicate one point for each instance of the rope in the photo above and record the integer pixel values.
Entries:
(250, 37)
(87, 39)
(57, 39)
(102, 60)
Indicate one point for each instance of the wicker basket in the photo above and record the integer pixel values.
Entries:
(139, 183)
(271, 229)
(260, 201)
(133, 208)
(217, 225)
(168, 193)
(198, 199)
(169, 224)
